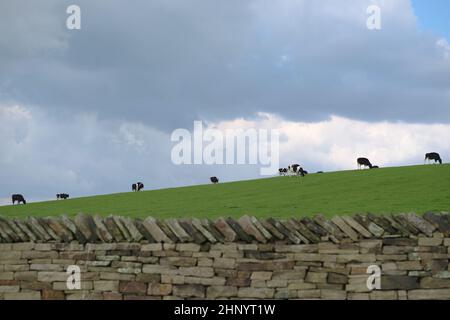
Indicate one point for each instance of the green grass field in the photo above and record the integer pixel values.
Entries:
(390, 190)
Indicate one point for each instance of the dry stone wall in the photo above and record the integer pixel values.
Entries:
(304, 258)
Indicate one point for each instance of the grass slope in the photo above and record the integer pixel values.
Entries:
(393, 190)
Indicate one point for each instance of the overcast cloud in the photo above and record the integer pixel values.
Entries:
(91, 111)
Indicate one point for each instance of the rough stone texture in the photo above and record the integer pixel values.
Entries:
(226, 259)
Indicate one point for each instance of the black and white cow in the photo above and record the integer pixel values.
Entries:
(62, 196)
(283, 171)
(214, 180)
(433, 156)
(18, 198)
(137, 186)
(295, 169)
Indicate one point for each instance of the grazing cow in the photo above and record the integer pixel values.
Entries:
(62, 196)
(295, 169)
(319, 171)
(433, 156)
(18, 198)
(283, 171)
(137, 186)
(363, 162)
(214, 180)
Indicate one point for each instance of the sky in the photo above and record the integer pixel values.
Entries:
(91, 111)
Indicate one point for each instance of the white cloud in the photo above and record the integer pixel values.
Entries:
(336, 143)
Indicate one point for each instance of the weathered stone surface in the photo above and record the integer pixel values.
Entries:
(101, 230)
(58, 228)
(157, 289)
(248, 227)
(429, 294)
(70, 225)
(356, 226)
(256, 293)
(421, 224)
(86, 226)
(305, 232)
(155, 231)
(206, 234)
(189, 291)
(345, 228)
(368, 224)
(197, 236)
(178, 231)
(439, 221)
(271, 228)
(228, 232)
(218, 292)
(241, 234)
(132, 287)
(434, 283)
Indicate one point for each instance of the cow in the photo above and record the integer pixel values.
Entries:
(295, 169)
(433, 156)
(137, 186)
(283, 171)
(62, 196)
(214, 180)
(363, 162)
(18, 198)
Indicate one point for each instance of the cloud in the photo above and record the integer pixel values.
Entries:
(168, 64)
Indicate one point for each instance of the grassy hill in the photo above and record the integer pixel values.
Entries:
(393, 190)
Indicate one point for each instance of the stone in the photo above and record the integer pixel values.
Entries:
(228, 233)
(191, 247)
(132, 287)
(123, 230)
(205, 272)
(434, 283)
(178, 231)
(37, 229)
(304, 231)
(208, 235)
(224, 263)
(429, 294)
(337, 278)
(261, 275)
(439, 221)
(26, 230)
(383, 295)
(219, 292)
(256, 293)
(131, 228)
(101, 230)
(70, 225)
(422, 225)
(241, 234)
(31, 295)
(106, 285)
(112, 296)
(113, 229)
(328, 294)
(157, 289)
(209, 225)
(189, 291)
(248, 227)
(155, 231)
(356, 226)
(293, 238)
(49, 294)
(17, 231)
(316, 277)
(368, 224)
(308, 294)
(214, 281)
(430, 242)
(197, 236)
(409, 265)
(346, 229)
(59, 229)
(330, 227)
(271, 229)
(86, 226)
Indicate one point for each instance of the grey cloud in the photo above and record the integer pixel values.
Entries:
(169, 63)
